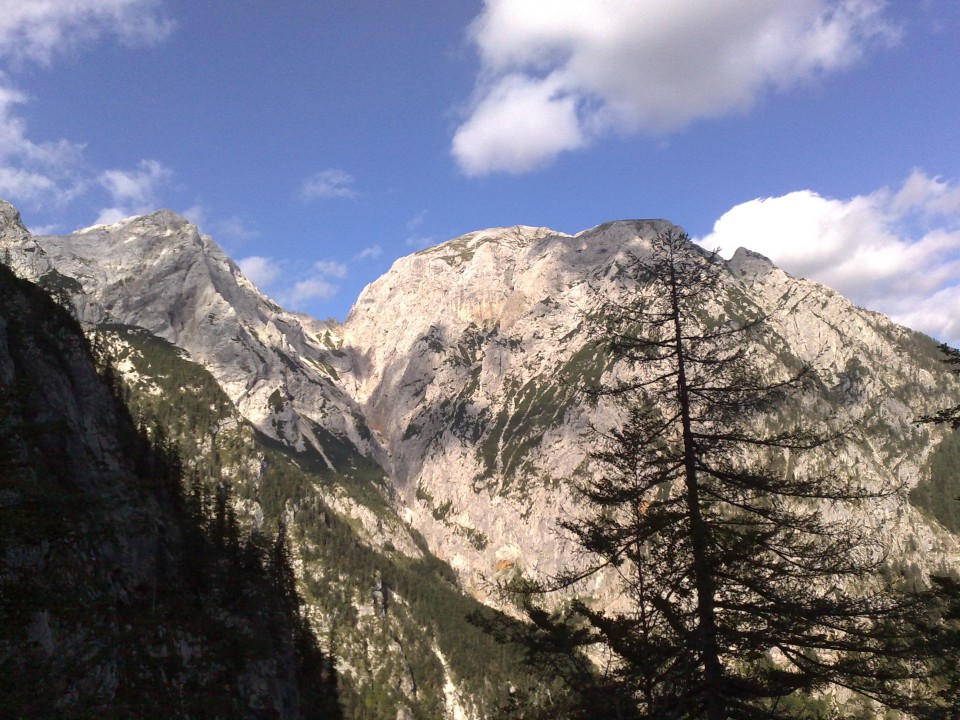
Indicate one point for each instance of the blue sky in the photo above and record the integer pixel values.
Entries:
(318, 141)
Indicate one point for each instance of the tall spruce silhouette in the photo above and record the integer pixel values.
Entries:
(746, 586)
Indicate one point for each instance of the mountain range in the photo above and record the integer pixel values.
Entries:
(420, 453)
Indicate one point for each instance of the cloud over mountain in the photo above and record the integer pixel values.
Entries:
(896, 250)
(553, 81)
(133, 192)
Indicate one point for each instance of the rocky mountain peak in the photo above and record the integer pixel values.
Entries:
(162, 220)
(747, 263)
(10, 223)
(159, 273)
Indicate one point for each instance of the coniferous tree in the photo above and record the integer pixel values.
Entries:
(941, 628)
(281, 568)
(949, 415)
(225, 529)
(737, 561)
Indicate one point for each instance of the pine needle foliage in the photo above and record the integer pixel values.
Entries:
(950, 415)
(747, 584)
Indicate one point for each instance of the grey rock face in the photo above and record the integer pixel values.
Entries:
(11, 226)
(468, 356)
(157, 272)
(746, 263)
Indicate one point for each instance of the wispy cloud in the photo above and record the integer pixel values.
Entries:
(554, 78)
(133, 192)
(233, 229)
(370, 253)
(33, 172)
(896, 250)
(294, 288)
(330, 268)
(330, 183)
(417, 220)
(36, 30)
(419, 242)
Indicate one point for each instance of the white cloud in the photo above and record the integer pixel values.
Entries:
(417, 220)
(294, 289)
(197, 214)
(16, 183)
(317, 285)
(261, 271)
(32, 172)
(133, 192)
(894, 250)
(330, 268)
(419, 242)
(233, 228)
(553, 78)
(330, 183)
(37, 173)
(520, 124)
(313, 288)
(37, 29)
(52, 229)
(111, 215)
(370, 253)
(138, 186)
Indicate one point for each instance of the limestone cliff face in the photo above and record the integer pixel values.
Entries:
(467, 357)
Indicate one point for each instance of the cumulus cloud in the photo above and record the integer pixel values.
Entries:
(37, 29)
(552, 79)
(261, 271)
(517, 125)
(133, 192)
(318, 284)
(312, 288)
(893, 250)
(330, 183)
